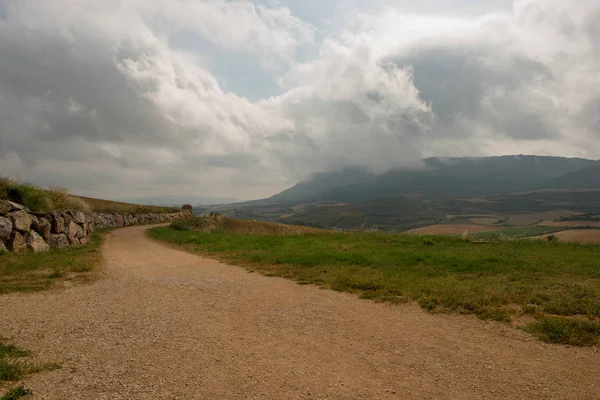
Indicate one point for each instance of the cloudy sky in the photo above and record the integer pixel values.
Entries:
(128, 98)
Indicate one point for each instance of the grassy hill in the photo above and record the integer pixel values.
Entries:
(41, 200)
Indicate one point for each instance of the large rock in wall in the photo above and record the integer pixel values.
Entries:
(21, 230)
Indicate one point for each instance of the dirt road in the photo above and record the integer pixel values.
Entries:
(164, 324)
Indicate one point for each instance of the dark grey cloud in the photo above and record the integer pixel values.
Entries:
(45, 73)
(117, 98)
(484, 85)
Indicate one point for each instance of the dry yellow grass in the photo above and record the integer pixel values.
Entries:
(451, 229)
(576, 235)
(108, 206)
(222, 224)
(534, 218)
(41, 200)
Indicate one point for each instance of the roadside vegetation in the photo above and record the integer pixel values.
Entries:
(15, 364)
(41, 200)
(30, 272)
(107, 206)
(219, 223)
(548, 288)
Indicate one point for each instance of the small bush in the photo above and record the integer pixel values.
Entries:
(14, 365)
(56, 274)
(16, 393)
(494, 314)
(181, 225)
(11, 370)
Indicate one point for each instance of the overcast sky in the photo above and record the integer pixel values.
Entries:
(128, 98)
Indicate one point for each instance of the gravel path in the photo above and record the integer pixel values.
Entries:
(165, 324)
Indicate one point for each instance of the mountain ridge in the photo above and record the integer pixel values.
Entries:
(445, 177)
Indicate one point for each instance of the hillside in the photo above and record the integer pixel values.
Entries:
(40, 200)
(432, 194)
(442, 178)
(585, 178)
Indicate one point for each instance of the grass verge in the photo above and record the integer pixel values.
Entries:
(494, 280)
(566, 331)
(39, 271)
(15, 364)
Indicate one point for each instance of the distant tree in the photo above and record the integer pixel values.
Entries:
(187, 207)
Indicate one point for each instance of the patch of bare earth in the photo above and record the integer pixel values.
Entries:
(452, 229)
(165, 324)
(576, 235)
(534, 218)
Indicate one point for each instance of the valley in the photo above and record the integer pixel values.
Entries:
(465, 194)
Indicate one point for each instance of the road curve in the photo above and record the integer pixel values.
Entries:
(164, 324)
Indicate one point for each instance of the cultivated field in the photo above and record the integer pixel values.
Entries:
(576, 235)
(573, 224)
(485, 221)
(452, 229)
(534, 218)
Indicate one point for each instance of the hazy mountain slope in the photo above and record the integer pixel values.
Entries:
(519, 168)
(178, 200)
(586, 178)
(322, 182)
(440, 178)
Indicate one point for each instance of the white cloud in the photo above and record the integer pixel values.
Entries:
(96, 97)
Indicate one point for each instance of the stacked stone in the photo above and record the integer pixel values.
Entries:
(68, 228)
(103, 220)
(21, 230)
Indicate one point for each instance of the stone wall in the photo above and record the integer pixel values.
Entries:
(21, 230)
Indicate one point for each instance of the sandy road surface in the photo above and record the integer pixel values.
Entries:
(164, 324)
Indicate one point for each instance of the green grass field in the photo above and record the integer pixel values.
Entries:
(558, 284)
(39, 271)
